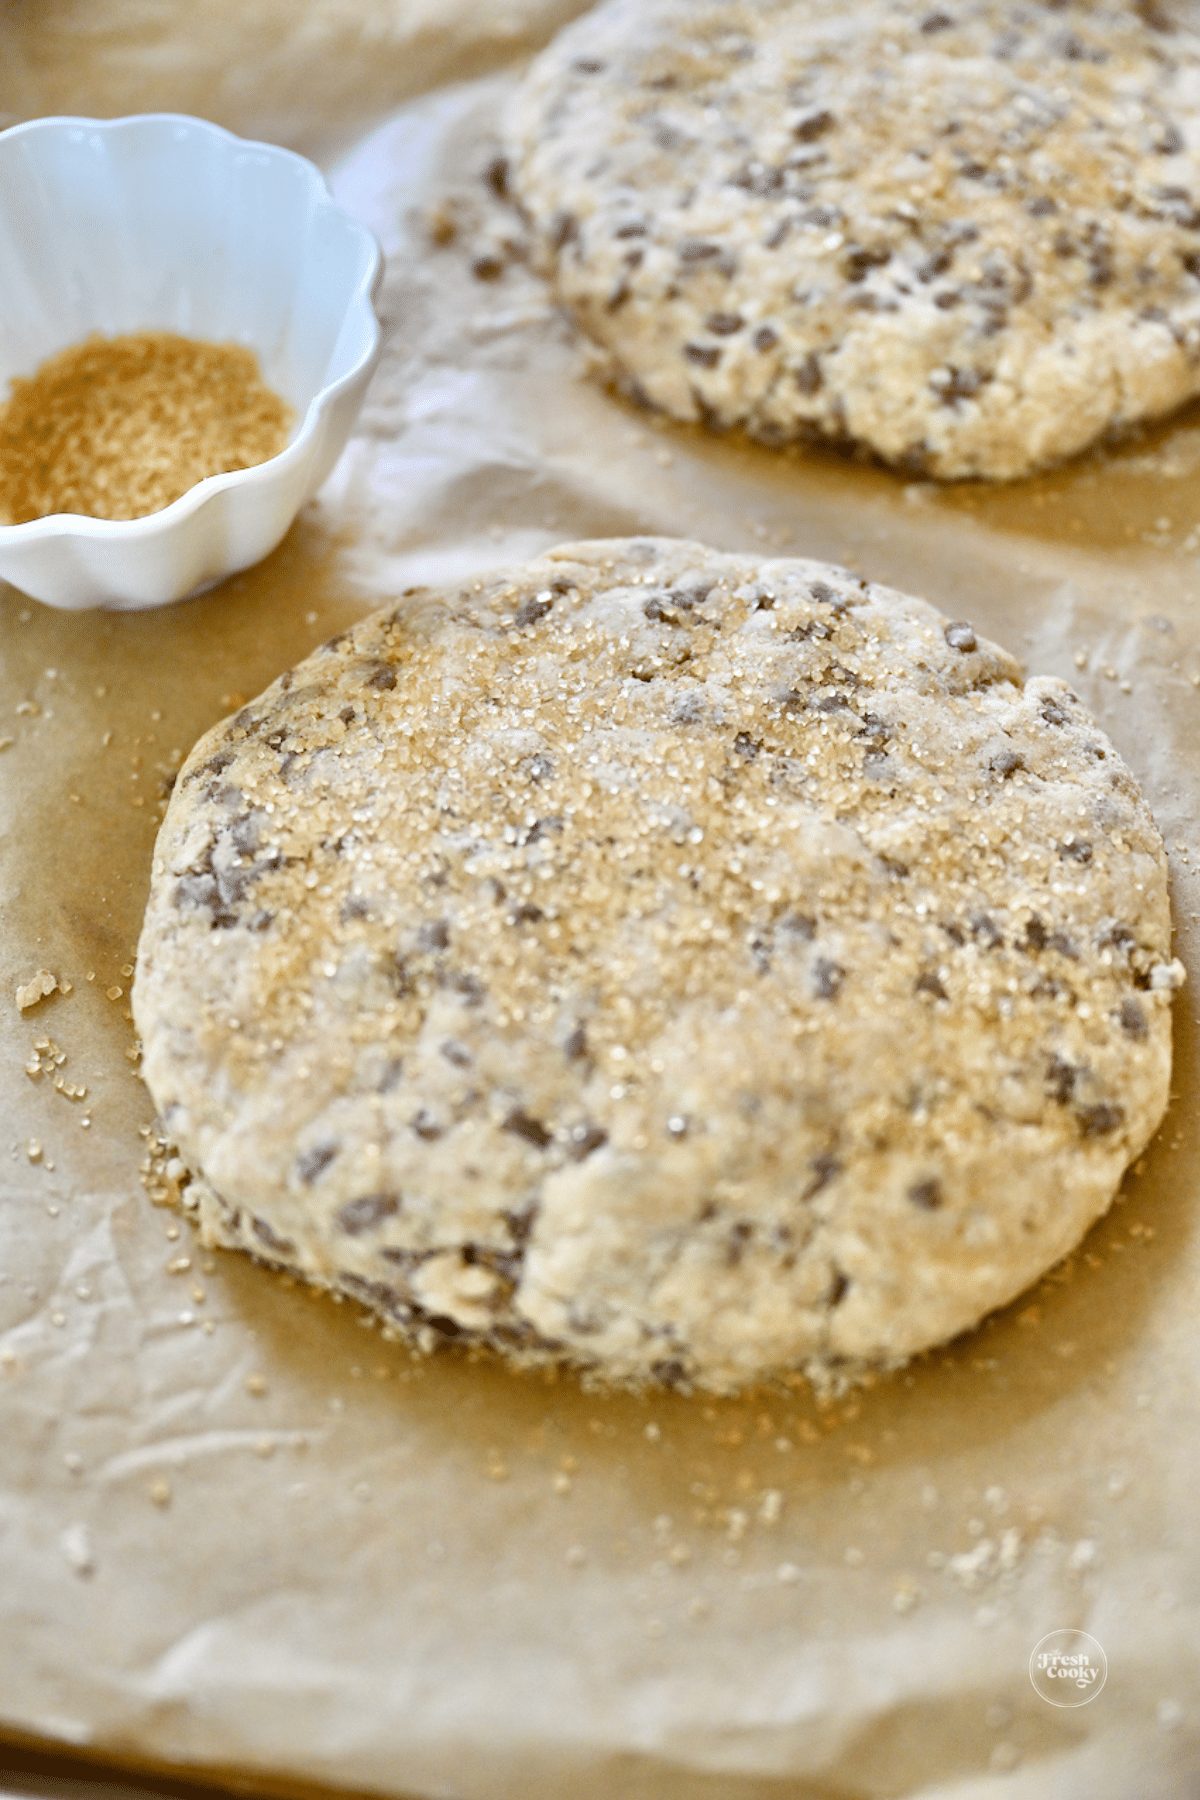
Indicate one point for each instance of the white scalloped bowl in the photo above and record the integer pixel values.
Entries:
(161, 222)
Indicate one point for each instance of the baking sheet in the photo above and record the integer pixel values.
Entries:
(241, 1532)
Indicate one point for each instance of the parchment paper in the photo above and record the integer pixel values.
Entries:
(239, 1531)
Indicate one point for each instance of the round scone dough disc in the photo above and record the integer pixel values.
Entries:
(966, 235)
(692, 966)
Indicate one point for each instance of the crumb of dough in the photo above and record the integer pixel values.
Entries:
(117, 428)
(37, 988)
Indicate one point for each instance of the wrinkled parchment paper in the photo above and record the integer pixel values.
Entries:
(239, 1532)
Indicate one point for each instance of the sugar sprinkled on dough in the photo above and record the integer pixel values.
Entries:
(690, 965)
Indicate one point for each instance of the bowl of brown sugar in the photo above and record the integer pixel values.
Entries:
(186, 336)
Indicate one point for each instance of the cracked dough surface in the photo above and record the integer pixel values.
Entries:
(966, 236)
(688, 965)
